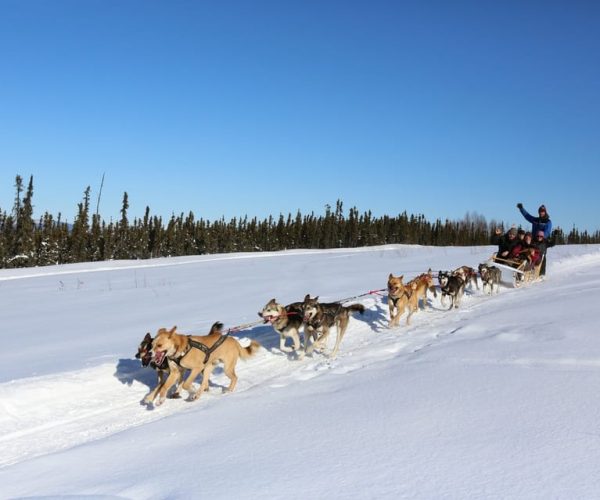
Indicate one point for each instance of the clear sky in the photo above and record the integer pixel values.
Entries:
(229, 108)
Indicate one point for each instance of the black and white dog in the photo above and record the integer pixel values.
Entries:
(287, 321)
(452, 286)
(320, 317)
(144, 354)
(490, 276)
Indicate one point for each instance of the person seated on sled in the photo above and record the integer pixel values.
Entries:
(529, 252)
(542, 244)
(506, 243)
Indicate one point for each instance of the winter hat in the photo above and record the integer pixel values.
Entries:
(528, 234)
(521, 231)
(540, 233)
(542, 208)
(513, 231)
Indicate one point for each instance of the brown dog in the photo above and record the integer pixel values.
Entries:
(398, 300)
(468, 275)
(419, 287)
(197, 354)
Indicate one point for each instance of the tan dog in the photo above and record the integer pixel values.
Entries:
(398, 300)
(419, 287)
(197, 354)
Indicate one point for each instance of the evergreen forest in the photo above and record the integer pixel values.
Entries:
(26, 242)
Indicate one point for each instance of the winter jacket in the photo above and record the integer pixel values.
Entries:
(533, 249)
(538, 223)
(544, 244)
(505, 244)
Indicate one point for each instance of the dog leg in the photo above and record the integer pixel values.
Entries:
(391, 308)
(162, 394)
(150, 397)
(321, 343)
(205, 379)
(341, 330)
(187, 385)
(295, 339)
(282, 346)
(229, 370)
(175, 394)
(310, 337)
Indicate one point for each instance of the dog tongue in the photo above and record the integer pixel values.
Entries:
(159, 357)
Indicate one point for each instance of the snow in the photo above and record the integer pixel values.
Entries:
(496, 399)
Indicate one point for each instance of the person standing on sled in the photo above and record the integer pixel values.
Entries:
(542, 244)
(541, 223)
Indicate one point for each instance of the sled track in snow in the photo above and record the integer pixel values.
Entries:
(43, 415)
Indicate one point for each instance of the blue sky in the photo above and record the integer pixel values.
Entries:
(265, 107)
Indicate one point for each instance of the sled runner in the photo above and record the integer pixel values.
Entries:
(517, 271)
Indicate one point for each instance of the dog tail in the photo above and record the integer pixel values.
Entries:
(251, 350)
(216, 328)
(356, 307)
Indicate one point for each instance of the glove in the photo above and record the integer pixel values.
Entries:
(519, 206)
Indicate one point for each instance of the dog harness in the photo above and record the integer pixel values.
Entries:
(194, 344)
(396, 299)
(317, 323)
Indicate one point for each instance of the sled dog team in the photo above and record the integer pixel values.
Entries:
(171, 354)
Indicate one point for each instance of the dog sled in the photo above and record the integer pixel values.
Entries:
(516, 272)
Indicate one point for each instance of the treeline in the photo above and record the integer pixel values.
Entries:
(27, 242)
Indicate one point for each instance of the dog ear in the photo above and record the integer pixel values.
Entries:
(307, 297)
(148, 337)
(172, 330)
(391, 276)
(273, 301)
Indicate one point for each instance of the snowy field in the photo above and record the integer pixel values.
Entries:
(498, 399)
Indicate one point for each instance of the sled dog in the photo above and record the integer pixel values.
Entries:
(320, 317)
(144, 354)
(468, 275)
(197, 354)
(452, 286)
(398, 299)
(287, 321)
(419, 287)
(490, 276)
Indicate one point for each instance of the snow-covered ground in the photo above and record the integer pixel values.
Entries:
(498, 399)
